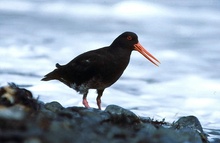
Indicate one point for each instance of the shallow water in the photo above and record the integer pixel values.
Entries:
(184, 36)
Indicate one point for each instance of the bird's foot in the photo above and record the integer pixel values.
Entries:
(85, 103)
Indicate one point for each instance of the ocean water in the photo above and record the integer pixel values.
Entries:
(183, 35)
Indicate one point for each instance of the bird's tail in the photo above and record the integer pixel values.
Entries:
(52, 75)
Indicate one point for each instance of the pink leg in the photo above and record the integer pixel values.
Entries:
(98, 103)
(85, 102)
(98, 99)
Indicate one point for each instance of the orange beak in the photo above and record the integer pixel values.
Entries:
(138, 47)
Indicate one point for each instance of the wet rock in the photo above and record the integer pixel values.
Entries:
(191, 125)
(20, 121)
(94, 114)
(190, 122)
(121, 115)
(54, 106)
(16, 112)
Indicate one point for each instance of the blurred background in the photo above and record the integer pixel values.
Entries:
(183, 35)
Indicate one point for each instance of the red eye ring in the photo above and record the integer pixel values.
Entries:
(129, 38)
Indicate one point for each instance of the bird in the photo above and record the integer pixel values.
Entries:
(99, 68)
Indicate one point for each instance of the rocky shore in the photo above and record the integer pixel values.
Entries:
(25, 119)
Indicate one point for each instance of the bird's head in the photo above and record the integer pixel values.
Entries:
(129, 40)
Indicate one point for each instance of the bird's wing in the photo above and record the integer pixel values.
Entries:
(83, 67)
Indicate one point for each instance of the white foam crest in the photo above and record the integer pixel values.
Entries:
(125, 10)
(16, 6)
(74, 9)
(138, 9)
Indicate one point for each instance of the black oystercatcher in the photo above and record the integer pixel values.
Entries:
(99, 69)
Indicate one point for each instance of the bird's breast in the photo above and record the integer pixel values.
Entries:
(93, 83)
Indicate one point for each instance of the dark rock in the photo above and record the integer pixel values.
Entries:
(54, 106)
(16, 112)
(188, 122)
(191, 125)
(20, 121)
(121, 115)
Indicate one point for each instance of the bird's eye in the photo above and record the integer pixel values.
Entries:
(129, 38)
